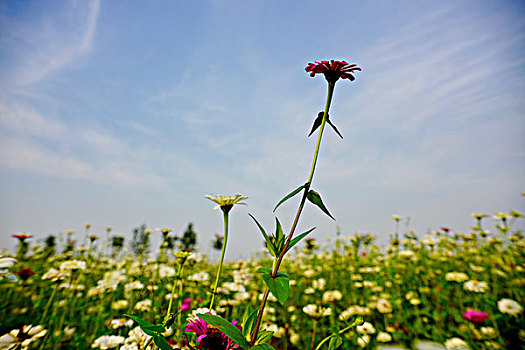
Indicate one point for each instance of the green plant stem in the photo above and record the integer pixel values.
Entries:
(173, 289)
(51, 298)
(342, 331)
(297, 215)
(312, 344)
(225, 214)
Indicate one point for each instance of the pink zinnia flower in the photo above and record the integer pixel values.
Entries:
(476, 316)
(199, 327)
(211, 338)
(333, 70)
(184, 307)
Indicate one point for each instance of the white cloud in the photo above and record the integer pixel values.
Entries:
(49, 45)
(20, 118)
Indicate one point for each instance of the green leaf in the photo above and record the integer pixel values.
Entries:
(161, 342)
(264, 346)
(335, 342)
(148, 328)
(227, 328)
(293, 193)
(279, 236)
(298, 238)
(263, 337)
(279, 286)
(315, 198)
(248, 322)
(269, 244)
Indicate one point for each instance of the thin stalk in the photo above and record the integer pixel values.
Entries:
(225, 212)
(297, 215)
(312, 344)
(173, 289)
(51, 298)
(341, 332)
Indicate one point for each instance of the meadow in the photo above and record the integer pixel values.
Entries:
(458, 290)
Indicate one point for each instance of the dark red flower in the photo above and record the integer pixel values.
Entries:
(25, 273)
(476, 316)
(22, 236)
(333, 70)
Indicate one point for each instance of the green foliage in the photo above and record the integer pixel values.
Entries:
(275, 243)
(148, 328)
(290, 195)
(263, 337)
(140, 241)
(335, 342)
(227, 328)
(278, 285)
(264, 346)
(248, 322)
(188, 239)
(315, 198)
(161, 342)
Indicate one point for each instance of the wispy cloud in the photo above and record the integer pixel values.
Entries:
(48, 45)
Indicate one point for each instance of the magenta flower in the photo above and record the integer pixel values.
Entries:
(199, 327)
(333, 70)
(184, 307)
(476, 316)
(211, 338)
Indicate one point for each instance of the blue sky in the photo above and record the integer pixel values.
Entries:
(124, 113)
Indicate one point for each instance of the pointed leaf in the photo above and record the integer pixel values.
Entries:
(315, 198)
(317, 123)
(264, 346)
(333, 127)
(161, 342)
(265, 270)
(248, 322)
(263, 337)
(269, 244)
(279, 286)
(148, 328)
(279, 236)
(293, 193)
(296, 240)
(335, 342)
(227, 328)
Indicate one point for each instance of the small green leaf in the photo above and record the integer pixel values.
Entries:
(279, 236)
(248, 322)
(279, 286)
(269, 244)
(227, 328)
(264, 346)
(148, 328)
(265, 270)
(293, 193)
(298, 238)
(161, 342)
(263, 337)
(315, 198)
(335, 342)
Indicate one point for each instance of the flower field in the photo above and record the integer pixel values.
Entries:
(457, 290)
(449, 289)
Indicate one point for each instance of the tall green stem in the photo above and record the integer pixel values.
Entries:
(331, 87)
(225, 212)
(178, 278)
